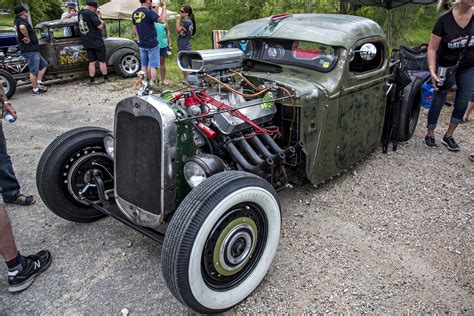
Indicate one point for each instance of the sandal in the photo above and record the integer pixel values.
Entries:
(25, 200)
(471, 157)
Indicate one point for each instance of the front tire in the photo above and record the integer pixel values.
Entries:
(221, 241)
(8, 83)
(67, 166)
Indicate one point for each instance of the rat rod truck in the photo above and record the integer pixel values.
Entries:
(66, 55)
(199, 169)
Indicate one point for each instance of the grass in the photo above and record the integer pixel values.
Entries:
(6, 19)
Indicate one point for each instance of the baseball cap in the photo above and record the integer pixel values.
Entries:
(92, 4)
(71, 5)
(19, 9)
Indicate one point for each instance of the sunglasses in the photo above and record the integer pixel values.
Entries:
(182, 11)
(153, 7)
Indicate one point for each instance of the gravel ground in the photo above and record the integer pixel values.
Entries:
(395, 234)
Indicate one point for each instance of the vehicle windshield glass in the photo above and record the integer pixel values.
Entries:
(311, 55)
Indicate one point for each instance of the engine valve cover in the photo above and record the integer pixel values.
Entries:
(228, 124)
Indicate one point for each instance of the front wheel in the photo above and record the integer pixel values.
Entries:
(221, 241)
(65, 173)
(8, 83)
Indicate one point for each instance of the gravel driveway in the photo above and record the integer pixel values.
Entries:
(395, 234)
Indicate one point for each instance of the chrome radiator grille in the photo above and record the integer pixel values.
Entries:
(138, 161)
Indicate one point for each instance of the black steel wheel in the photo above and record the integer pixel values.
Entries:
(127, 64)
(221, 241)
(66, 169)
(8, 83)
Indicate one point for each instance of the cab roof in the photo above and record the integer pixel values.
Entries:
(329, 29)
(56, 23)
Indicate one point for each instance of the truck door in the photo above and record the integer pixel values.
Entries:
(70, 52)
(362, 104)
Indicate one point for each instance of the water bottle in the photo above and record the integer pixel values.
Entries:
(427, 96)
(169, 52)
(8, 117)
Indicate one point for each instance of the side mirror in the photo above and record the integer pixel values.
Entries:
(367, 52)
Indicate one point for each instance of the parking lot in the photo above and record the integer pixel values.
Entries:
(394, 234)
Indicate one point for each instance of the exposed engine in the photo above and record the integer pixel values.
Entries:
(233, 117)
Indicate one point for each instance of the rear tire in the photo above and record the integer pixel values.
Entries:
(64, 169)
(127, 64)
(8, 83)
(410, 109)
(221, 241)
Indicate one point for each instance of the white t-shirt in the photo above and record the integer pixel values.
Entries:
(67, 30)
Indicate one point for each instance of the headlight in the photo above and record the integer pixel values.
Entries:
(109, 142)
(194, 174)
(201, 167)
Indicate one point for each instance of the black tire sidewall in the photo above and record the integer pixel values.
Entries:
(11, 81)
(411, 99)
(50, 168)
(184, 232)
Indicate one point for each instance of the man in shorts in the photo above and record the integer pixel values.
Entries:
(29, 47)
(144, 20)
(91, 26)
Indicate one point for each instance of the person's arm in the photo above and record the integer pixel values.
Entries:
(6, 105)
(134, 31)
(24, 31)
(97, 20)
(163, 18)
(179, 27)
(168, 36)
(469, 109)
(433, 47)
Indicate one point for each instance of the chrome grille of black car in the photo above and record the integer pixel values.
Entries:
(138, 161)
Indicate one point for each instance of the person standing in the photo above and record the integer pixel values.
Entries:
(451, 44)
(91, 26)
(71, 13)
(8, 182)
(143, 20)
(22, 271)
(30, 50)
(186, 27)
(164, 43)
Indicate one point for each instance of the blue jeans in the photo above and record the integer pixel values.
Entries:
(150, 57)
(36, 62)
(465, 87)
(8, 182)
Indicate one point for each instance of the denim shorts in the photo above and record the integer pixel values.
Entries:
(35, 61)
(164, 52)
(150, 57)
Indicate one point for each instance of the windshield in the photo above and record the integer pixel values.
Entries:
(288, 52)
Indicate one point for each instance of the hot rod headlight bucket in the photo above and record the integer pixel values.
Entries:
(109, 142)
(200, 167)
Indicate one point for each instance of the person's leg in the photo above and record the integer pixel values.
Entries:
(43, 66)
(34, 66)
(465, 85)
(8, 181)
(102, 58)
(8, 248)
(144, 61)
(91, 68)
(154, 55)
(439, 99)
(22, 271)
(163, 54)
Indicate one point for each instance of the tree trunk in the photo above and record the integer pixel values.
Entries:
(27, 6)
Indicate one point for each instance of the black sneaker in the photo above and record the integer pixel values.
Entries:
(430, 142)
(35, 264)
(471, 157)
(450, 143)
(40, 90)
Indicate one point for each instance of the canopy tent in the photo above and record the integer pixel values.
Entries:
(123, 9)
(389, 5)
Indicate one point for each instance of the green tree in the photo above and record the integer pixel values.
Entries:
(40, 10)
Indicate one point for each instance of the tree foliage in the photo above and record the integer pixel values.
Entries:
(40, 10)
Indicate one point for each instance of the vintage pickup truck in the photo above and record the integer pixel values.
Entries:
(65, 55)
(199, 169)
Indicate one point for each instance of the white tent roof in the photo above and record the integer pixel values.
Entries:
(123, 9)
